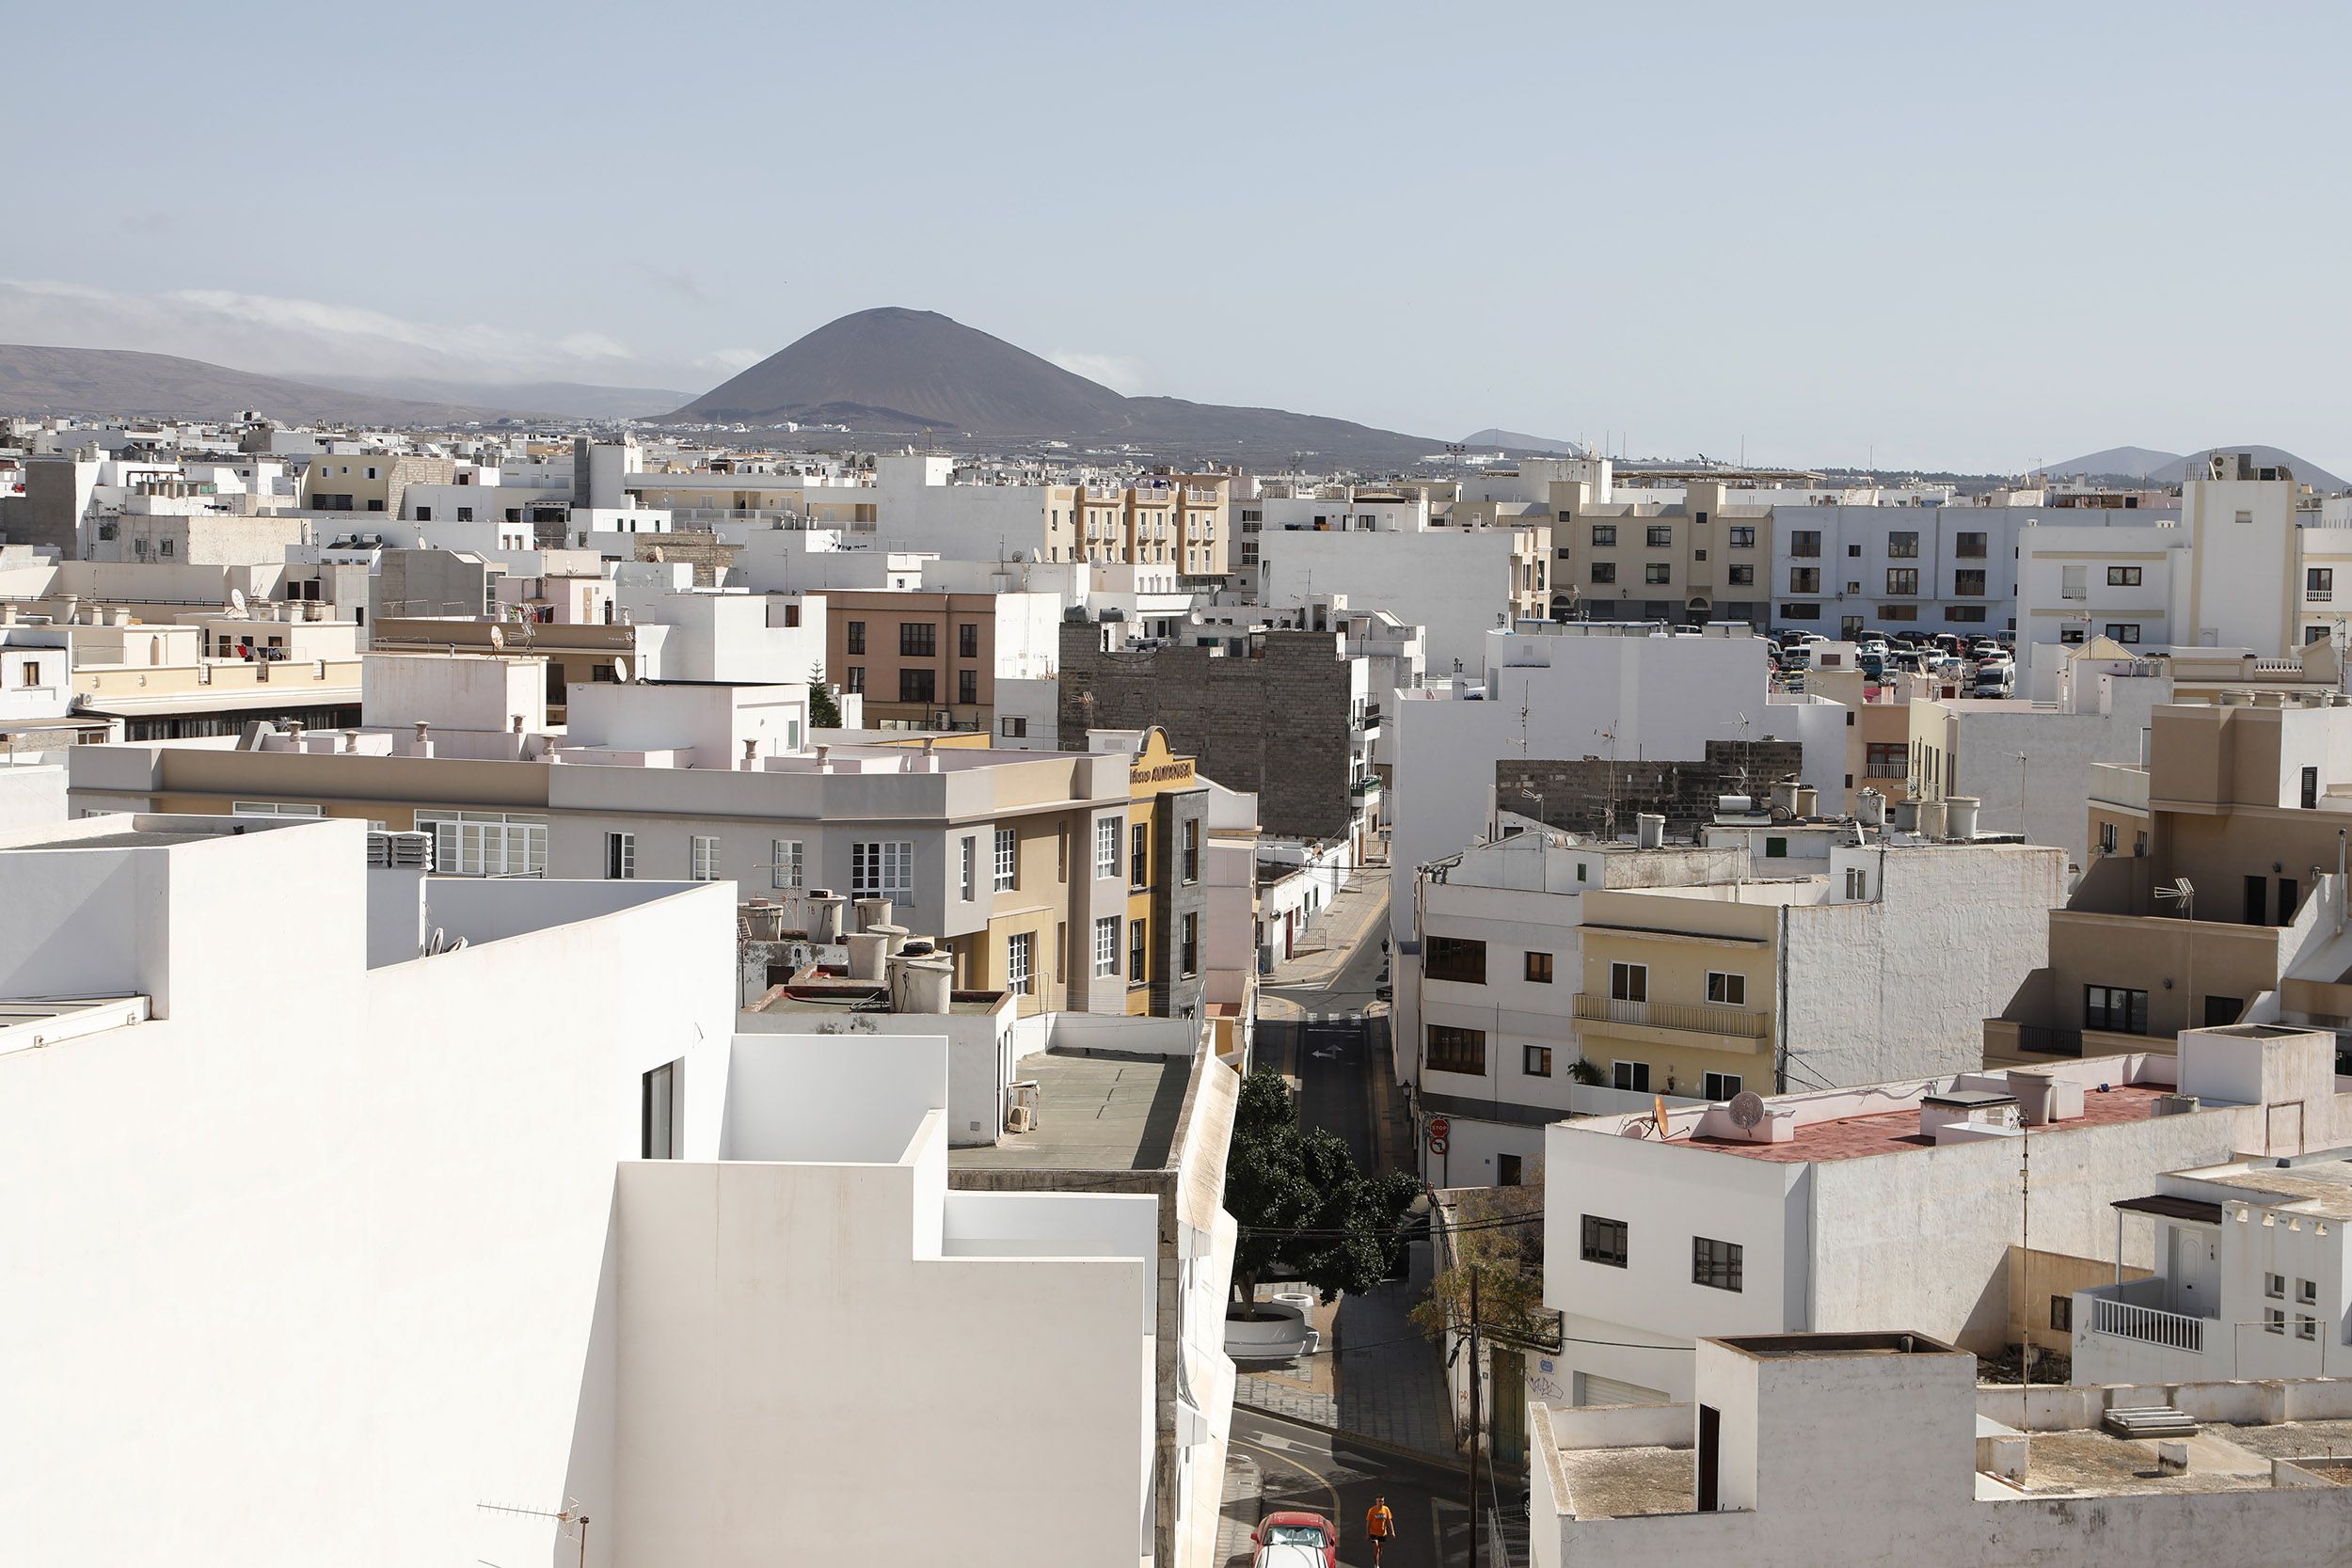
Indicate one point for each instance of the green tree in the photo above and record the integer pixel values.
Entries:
(823, 712)
(1497, 1234)
(1304, 1209)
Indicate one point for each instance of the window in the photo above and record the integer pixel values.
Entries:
(1969, 546)
(1007, 859)
(881, 868)
(2307, 1291)
(967, 686)
(1020, 956)
(2306, 1327)
(1853, 552)
(2124, 577)
(486, 843)
(1107, 946)
(1727, 991)
(2311, 789)
(2062, 1314)
(1742, 538)
(424, 514)
(1661, 538)
(1903, 547)
(1805, 543)
(1960, 612)
(273, 808)
(1902, 579)
(917, 639)
(1139, 950)
(1657, 571)
(918, 686)
(1775, 848)
(967, 640)
(2274, 1286)
(1107, 846)
(2243, 517)
(1629, 982)
(1857, 883)
(1507, 1171)
(2124, 631)
(465, 514)
(657, 1113)
(1886, 759)
(1631, 1076)
(703, 860)
(854, 637)
(1968, 584)
(1800, 611)
(1603, 1241)
(1722, 1086)
(2106, 838)
(1540, 968)
(1743, 576)
(620, 856)
(1192, 851)
(2274, 1319)
(1715, 1264)
(853, 679)
(784, 864)
(1139, 856)
(2319, 585)
(1604, 571)
(1452, 1050)
(1188, 945)
(1456, 959)
(1604, 533)
(1013, 729)
(2115, 1009)
(1535, 1061)
(1804, 579)
(967, 879)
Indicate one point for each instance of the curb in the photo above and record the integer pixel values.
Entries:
(1444, 1461)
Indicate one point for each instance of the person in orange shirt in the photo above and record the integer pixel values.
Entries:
(1379, 1525)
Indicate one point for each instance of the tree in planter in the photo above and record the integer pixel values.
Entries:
(1499, 1234)
(1304, 1209)
(823, 712)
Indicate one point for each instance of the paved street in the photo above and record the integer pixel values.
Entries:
(1301, 1467)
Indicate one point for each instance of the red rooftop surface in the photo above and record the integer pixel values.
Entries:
(1892, 1131)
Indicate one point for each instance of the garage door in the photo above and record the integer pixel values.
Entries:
(1608, 1391)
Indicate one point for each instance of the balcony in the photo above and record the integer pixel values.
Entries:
(2116, 1315)
(1686, 1018)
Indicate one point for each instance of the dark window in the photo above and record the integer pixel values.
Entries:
(1452, 1050)
(855, 680)
(1455, 959)
(1535, 1061)
(1968, 547)
(1657, 571)
(1140, 857)
(2115, 1009)
(1715, 1263)
(1805, 543)
(1903, 547)
(657, 1113)
(1775, 848)
(1800, 611)
(1969, 584)
(424, 514)
(917, 686)
(1902, 579)
(1506, 1170)
(853, 639)
(967, 640)
(1632, 1076)
(1540, 968)
(2257, 901)
(967, 686)
(1661, 538)
(1192, 851)
(1743, 576)
(2124, 631)
(1604, 533)
(2124, 577)
(1603, 1241)
(2062, 1314)
(917, 639)
(1138, 949)
(1804, 579)
(2311, 789)
(1604, 571)
(1190, 946)
(2319, 584)
(2288, 893)
(1742, 538)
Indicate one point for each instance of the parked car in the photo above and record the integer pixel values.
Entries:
(1296, 1539)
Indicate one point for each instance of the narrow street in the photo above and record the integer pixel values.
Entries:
(1305, 1469)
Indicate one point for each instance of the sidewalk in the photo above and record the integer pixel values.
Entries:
(1348, 920)
(1386, 1382)
(1244, 1501)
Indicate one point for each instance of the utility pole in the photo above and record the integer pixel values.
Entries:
(1475, 1416)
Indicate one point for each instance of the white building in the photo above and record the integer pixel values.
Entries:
(1923, 568)
(1459, 584)
(1896, 1202)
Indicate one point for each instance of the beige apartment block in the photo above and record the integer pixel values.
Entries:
(1688, 562)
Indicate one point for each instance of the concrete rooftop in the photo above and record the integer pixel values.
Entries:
(1891, 1132)
(1096, 1111)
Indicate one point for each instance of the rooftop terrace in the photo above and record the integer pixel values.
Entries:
(1096, 1111)
(1891, 1132)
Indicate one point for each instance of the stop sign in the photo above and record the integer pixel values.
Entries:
(1439, 1127)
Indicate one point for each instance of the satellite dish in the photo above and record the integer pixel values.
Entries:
(497, 637)
(236, 601)
(1747, 1109)
(620, 671)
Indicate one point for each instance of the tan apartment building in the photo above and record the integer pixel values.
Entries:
(1173, 520)
(926, 660)
(370, 480)
(562, 656)
(1899, 741)
(1688, 563)
(2215, 893)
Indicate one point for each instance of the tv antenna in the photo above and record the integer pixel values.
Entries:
(575, 1523)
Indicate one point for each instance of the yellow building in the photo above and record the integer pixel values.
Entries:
(1676, 996)
(1166, 849)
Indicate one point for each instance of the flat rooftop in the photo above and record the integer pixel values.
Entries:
(2093, 1461)
(1892, 1131)
(860, 996)
(2322, 1187)
(1096, 1111)
(1627, 1483)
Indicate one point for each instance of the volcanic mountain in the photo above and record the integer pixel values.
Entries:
(895, 372)
(103, 381)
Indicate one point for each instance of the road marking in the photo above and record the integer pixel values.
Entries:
(1325, 1486)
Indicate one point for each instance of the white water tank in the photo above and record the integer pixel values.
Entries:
(1960, 815)
(872, 913)
(868, 951)
(921, 984)
(1649, 831)
(1870, 809)
(1931, 816)
(824, 915)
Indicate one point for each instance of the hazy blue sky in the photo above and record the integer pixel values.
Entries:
(1980, 239)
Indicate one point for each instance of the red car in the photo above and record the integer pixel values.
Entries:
(1296, 1539)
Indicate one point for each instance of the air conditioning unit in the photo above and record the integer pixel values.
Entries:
(406, 851)
(1020, 1119)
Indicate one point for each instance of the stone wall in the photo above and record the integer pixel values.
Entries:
(1576, 795)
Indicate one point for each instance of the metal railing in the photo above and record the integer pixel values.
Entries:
(1690, 1018)
(2151, 1325)
(2044, 1041)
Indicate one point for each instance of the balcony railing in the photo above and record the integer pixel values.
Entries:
(1690, 1018)
(2041, 1041)
(2121, 1320)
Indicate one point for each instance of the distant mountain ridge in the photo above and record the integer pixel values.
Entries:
(897, 371)
(2153, 466)
(569, 399)
(1512, 440)
(104, 381)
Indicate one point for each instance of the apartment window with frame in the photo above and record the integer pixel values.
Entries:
(1107, 946)
(1188, 946)
(2115, 1009)
(1742, 537)
(703, 858)
(968, 882)
(2274, 1286)
(967, 640)
(1657, 571)
(1008, 860)
(2306, 1326)
(1535, 1061)
(2307, 1293)
(2274, 1319)
(918, 686)
(2319, 584)
(1727, 991)
(854, 680)
(1902, 579)
(785, 868)
(1139, 856)
(1460, 960)
(1107, 846)
(1192, 851)
(486, 843)
(1903, 547)
(620, 856)
(1970, 547)
(1743, 576)
(1457, 1050)
(1602, 1241)
(1013, 729)
(1661, 538)
(1020, 959)
(1604, 533)
(657, 1113)
(1629, 982)
(1138, 951)
(1715, 1264)
(881, 868)
(1721, 1085)
(2126, 632)
(1604, 571)
(1538, 970)
(1631, 1076)
(918, 639)
(2062, 1314)
(1965, 612)
(854, 637)
(967, 686)
(1968, 584)
(2124, 577)
(1804, 579)
(1805, 543)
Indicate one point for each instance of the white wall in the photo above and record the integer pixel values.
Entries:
(1452, 582)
